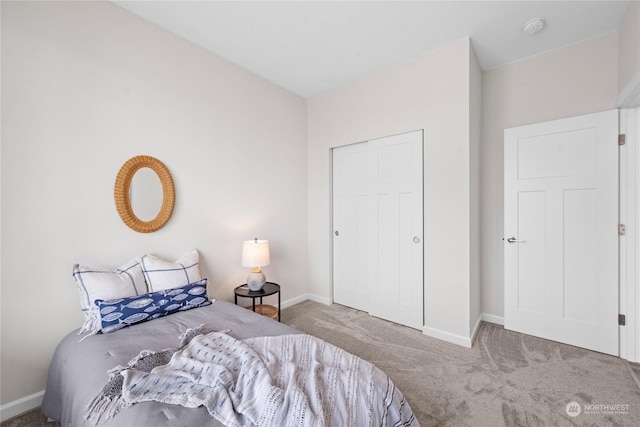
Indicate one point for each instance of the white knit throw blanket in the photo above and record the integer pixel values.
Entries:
(289, 380)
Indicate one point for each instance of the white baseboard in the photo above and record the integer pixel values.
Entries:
(459, 339)
(498, 320)
(20, 406)
(447, 336)
(304, 297)
(318, 298)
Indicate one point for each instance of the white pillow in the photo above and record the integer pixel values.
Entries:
(95, 283)
(161, 274)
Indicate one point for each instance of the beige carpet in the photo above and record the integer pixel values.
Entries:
(506, 379)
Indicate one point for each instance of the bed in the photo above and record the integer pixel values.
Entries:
(156, 351)
(79, 371)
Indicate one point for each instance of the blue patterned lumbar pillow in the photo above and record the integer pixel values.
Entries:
(118, 313)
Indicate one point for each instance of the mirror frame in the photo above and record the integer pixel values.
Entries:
(123, 202)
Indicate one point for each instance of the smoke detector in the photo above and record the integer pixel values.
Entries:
(533, 26)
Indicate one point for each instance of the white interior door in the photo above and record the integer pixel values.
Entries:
(377, 218)
(351, 225)
(561, 230)
(396, 209)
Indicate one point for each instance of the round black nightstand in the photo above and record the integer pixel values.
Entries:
(269, 288)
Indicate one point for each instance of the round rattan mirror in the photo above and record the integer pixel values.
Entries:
(122, 194)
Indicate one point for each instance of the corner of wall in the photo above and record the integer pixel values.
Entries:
(475, 176)
(629, 46)
(629, 96)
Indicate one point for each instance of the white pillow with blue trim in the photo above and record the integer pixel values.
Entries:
(96, 283)
(161, 274)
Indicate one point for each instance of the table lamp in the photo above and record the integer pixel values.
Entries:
(255, 254)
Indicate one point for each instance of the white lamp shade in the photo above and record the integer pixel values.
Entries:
(255, 253)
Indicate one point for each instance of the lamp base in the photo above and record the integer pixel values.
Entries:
(256, 280)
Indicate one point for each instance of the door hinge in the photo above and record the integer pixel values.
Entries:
(622, 139)
(622, 320)
(621, 230)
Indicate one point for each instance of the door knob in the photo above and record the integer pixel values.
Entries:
(513, 240)
(337, 233)
(416, 239)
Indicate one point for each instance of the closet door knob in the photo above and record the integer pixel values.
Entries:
(514, 240)
(337, 233)
(416, 239)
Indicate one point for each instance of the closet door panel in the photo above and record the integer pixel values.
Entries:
(378, 228)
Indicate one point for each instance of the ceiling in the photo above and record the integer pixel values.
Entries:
(310, 47)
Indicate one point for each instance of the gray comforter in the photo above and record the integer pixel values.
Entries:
(78, 370)
(336, 387)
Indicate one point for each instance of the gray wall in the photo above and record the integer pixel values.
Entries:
(86, 86)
